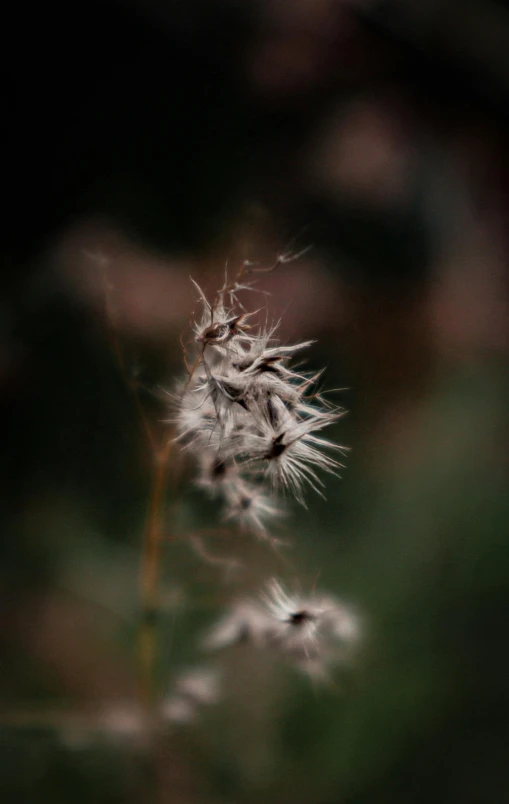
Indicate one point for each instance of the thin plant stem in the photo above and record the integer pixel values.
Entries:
(153, 531)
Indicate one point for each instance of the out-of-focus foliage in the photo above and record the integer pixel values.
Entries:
(166, 138)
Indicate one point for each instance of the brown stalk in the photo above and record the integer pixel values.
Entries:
(153, 530)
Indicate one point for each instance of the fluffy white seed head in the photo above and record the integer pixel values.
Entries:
(250, 417)
(314, 632)
(251, 507)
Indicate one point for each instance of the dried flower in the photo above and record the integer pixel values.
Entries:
(249, 417)
(249, 506)
(310, 631)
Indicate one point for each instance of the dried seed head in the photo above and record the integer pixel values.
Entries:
(311, 631)
(247, 404)
(314, 626)
(250, 507)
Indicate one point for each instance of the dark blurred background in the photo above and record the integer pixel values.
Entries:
(162, 139)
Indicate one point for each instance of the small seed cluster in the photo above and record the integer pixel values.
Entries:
(312, 632)
(251, 419)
